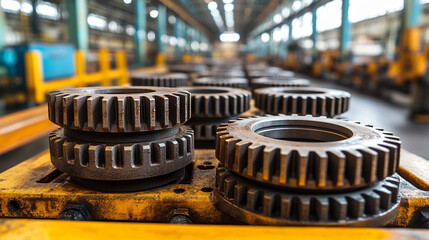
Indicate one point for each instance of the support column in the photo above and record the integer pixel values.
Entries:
(412, 13)
(78, 26)
(162, 27)
(345, 29)
(3, 25)
(315, 33)
(140, 36)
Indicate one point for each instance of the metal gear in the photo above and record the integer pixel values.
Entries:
(159, 79)
(270, 73)
(120, 157)
(205, 130)
(119, 109)
(252, 203)
(221, 82)
(187, 68)
(302, 101)
(221, 73)
(218, 102)
(278, 82)
(307, 153)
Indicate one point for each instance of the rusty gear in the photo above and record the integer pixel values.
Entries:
(270, 73)
(221, 73)
(277, 82)
(116, 158)
(302, 101)
(119, 109)
(218, 102)
(159, 79)
(308, 153)
(187, 68)
(221, 82)
(252, 203)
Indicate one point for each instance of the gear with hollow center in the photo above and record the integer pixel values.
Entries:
(278, 82)
(218, 102)
(270, 73)
(253, 203)
(159, 79)
(119, 109)
(307, 153)
(302, 101)
(221, 82)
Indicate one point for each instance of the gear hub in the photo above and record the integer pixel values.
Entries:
(121, 138)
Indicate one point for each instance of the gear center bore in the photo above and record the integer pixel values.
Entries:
(304, 131)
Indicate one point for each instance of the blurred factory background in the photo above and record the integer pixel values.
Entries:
(376, 49)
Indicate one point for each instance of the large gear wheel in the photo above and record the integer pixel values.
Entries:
(222, 73)
(93, 156)
(252, 203)
(277, 82)
(159, 79)
(270, 73)
(307, 153)
(221, 82)
(119, 109)
(218, 102)
(187, 68)
(302, 101)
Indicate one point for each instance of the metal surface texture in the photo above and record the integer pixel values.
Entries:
(119, 109)
(278, 82)
(159, 79)
(221, 82)
(251, 203)
(121, 157)
(187, 68)
(218, 102)
(302, 101)
(221, 72)
(320, 154)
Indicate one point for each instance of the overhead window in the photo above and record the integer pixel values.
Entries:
(302, 26)
(365, 9)
(329, 16)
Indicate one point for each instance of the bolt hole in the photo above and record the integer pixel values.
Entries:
(179, 190)
(14, 206)
(207, 189)
(205, 167)
(207, 163)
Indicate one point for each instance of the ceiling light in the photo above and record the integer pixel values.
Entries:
(127, 1)
(212, 5)
(228, 1)
(229, 7)
(277, 18)
(153, 13)
(229, 37)
(265, 37)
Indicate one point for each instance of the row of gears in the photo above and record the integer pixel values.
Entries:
(300, 166)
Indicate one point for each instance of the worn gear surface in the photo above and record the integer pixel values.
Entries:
(276, 82)
(307, 153)
(119, 109)
(374, 206)
(159, 79)
(218, 102)
(302, 101)
(117, 157)
(222, 82)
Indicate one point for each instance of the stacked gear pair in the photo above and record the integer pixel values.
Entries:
(120, 139)
(303, 170)
(212, 106)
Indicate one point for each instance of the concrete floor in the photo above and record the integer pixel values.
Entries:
(364, 108)
(392, 117)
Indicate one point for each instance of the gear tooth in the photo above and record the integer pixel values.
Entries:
(271, 163)
(382, 161)
(218, 146)
(68, 152)
(240, 194)
(385, 197)
(137, 120)
(284, 168)
(220, 180)
(229, 184)
(394, 155)
(356, 206)
(68, 109)
(230, 150)
(268, 204)
(338, 208)
(372, 205)
(303, 162)
(241, 156)
(321, 164)
(172, 150)
(107, 113)
(129, 157)
(81, 154)
(122, 114)
(97, 156)
(59, 109)
(94, 107)
(369, 165)
(221, 148)
(337, 171)
(148, 106)
(286, 206)
(162, 110)
(113, 157)
(254, 199)
(393, 188)
(51, 106)
(174, 109)
(255, 155)
(321, 208)
(303, 208)
(354, 166)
